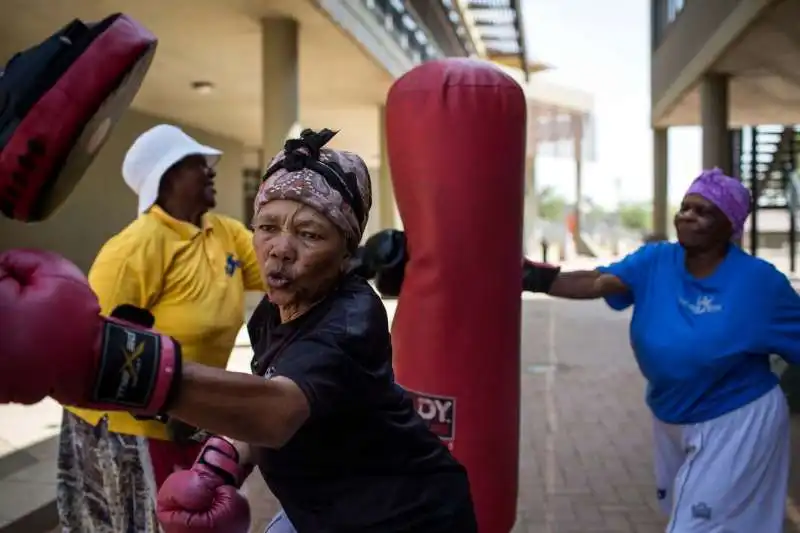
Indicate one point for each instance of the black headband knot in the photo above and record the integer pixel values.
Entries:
(305, 152)
(299, 152)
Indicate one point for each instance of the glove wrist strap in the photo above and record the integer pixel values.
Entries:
(221, 457)
(138, 370)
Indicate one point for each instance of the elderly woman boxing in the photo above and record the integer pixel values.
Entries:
(335, 438)
(706, 317)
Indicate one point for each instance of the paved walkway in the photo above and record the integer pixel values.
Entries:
(585, 460)
(585, 453)
(586, 443)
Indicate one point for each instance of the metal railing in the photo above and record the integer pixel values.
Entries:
(405, 28)
(501, 29)
(793, 191)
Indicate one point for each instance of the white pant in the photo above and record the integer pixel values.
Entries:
(280, 524)
(727, 475)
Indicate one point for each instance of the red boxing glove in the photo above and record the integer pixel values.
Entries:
(55, 343)
(206, 498)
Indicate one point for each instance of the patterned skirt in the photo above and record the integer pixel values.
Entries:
(107, 481)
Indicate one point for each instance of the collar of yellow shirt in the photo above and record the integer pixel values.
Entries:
(186, 230)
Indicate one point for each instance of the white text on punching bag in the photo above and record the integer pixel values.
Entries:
(434, 410)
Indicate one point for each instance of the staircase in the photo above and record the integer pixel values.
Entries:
(767, 163)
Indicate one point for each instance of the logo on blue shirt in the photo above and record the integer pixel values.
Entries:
(703, 305)
(231, 264)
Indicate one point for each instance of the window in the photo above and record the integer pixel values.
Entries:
(664, 13)
(674, 7)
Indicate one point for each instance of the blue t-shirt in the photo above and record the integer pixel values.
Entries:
(704, 344)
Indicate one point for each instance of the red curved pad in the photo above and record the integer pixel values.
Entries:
(456, 145)
(54, 144)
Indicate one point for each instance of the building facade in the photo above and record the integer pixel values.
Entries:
(725, 65)
(242, 75)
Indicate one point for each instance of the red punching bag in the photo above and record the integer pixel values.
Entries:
(456, 146)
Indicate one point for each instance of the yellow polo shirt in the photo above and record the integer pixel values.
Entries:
(192, 279)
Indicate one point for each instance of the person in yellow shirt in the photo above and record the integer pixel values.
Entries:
(190, 269)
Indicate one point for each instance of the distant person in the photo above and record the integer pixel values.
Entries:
(190, 269)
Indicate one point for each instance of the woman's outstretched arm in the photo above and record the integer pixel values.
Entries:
(243, 407)
(586, 285)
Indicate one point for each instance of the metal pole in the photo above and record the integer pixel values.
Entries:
(736, 150)
(753, 190)
(577, 149)
(789, 169)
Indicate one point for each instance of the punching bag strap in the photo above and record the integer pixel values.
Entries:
(305, 153)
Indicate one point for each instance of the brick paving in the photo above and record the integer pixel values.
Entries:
(585, 455)
(585, 463)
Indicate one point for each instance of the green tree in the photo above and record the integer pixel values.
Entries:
(636, 216)
(552, 206)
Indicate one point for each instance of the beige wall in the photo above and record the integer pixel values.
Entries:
(358, 129)
(102, 204)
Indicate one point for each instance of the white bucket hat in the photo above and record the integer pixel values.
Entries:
(153, 153)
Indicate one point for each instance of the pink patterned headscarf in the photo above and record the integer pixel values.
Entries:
(333, 182)
(728, 194)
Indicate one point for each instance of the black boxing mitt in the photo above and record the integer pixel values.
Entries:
(538, 277)
(383, 258)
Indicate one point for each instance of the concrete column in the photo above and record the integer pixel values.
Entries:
(383, 194)
(660, 182)
(280, 83)
(374, 220)
(735, 140)
(530, 234)
(577, 133)
(714, 120)
(530, 174)
(531, 208)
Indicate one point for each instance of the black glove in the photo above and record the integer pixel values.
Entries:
(134, 315)
(383, 258)
(360, 265)
(538, 277)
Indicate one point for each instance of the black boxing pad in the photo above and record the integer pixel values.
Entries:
(383, 258)
(58, 103)
(389, 256)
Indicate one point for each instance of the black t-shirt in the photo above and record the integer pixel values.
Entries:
(364, 461)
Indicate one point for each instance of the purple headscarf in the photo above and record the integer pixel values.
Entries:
(728, 194)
